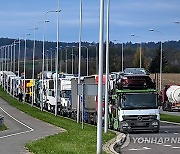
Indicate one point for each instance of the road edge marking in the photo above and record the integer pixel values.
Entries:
(171, 122)
(14, 134)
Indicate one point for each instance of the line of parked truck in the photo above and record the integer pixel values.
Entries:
(133, 98)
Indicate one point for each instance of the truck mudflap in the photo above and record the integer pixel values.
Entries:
(134, 126)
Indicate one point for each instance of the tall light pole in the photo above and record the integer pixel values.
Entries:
(107, 71)
(87, 62)
(61, 50)
(140, 54)
(72, 58)
(14, 53)
(51, 60)
(19, 52)
(25, 62)
(100, 82)
(8, 59)
(51, 49)
(66, 58)
(34, 49)
(79, 63)
(122, 55)
(11, 57)
(160, 76)
(1, 60)
(44, 54)
(57, 47)
(93, 45)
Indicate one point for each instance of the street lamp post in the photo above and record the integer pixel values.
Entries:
(100, 82)
(25, 62)
(140, 54)
(66, 58)
(93, 45)
(8, 59)
(34, 49)
(57, 11)
(79, 62)
(160, 76)
(11, 57)
(122, 55)
(57, 47)
(72, 60)
(107, 71)
(87, 62)
(14, 56)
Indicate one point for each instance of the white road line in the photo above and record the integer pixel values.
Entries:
(146, 148)
(133, 149)
(167, 145)
(14, 134)
(175, 123)
(175, 147)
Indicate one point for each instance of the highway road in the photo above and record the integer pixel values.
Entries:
(22, 129)
(165, 142)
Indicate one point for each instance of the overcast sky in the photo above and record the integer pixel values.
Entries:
(126, 17)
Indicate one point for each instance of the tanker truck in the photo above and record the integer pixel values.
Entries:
(171, 98)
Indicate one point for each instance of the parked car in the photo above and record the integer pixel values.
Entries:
(135, 78)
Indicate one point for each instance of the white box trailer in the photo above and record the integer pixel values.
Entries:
(14, 85)
(6, 79)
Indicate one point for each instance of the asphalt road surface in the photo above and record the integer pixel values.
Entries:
(167, 141)
(22, 129)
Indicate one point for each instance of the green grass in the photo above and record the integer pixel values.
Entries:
(73, 141)
(3, 127)
(170, 118)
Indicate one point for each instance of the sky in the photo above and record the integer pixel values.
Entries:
(126, 17)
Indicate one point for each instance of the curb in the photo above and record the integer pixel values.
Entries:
(108, 147)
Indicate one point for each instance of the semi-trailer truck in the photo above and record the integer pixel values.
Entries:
(134, 110)
(171, 98)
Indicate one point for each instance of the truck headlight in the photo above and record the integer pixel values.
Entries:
(125, 124)
(155, 123)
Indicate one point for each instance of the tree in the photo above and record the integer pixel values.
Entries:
(155, 64)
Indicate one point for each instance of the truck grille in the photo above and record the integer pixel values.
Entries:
(139, 117)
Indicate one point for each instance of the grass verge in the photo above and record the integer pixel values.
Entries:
(170, 118)
(73, 141)
(3, 127)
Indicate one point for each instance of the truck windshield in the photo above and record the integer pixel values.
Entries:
(66, 93)
(138, 101)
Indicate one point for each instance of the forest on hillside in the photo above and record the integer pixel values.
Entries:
(150, 55)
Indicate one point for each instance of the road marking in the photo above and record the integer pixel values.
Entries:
(175, 123)
(167, 145)
(175, 147)
(133, 149)
(144, 148)
(14, 134)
